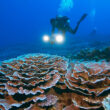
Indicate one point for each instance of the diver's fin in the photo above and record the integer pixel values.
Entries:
(82, 18)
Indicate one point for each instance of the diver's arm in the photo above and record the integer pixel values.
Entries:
(76, 28)
(82, 18)
(73, 31)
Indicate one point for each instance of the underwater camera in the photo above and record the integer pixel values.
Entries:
(58, 38)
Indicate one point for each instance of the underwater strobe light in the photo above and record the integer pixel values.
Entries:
(46, 38)
(59, 38)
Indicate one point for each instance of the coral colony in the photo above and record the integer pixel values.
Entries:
(41, 82)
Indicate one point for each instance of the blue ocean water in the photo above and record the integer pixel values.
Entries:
(24, 22)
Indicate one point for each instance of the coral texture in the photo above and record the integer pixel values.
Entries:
(41, 82)
(90, 81)
(25, 80)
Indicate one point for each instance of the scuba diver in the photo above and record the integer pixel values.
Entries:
(62, 24)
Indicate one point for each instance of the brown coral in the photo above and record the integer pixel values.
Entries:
(90, 82)
(50, 100)
(27, 79)
(39, 81)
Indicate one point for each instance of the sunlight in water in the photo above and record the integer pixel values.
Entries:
(65, 5)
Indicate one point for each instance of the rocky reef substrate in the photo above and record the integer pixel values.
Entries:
(50, 82)
(92, 54)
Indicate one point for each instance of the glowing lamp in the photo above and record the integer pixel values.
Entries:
(46, 38)
(59, 38)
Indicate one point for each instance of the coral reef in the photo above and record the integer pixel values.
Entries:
(41, 82)
(91, 82)
(25, 80)
(93, 54)
(106, 103)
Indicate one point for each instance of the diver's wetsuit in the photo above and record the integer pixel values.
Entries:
(62, 24)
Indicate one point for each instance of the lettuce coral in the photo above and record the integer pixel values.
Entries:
(41, 81)
(27, 78)
(90, 81)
